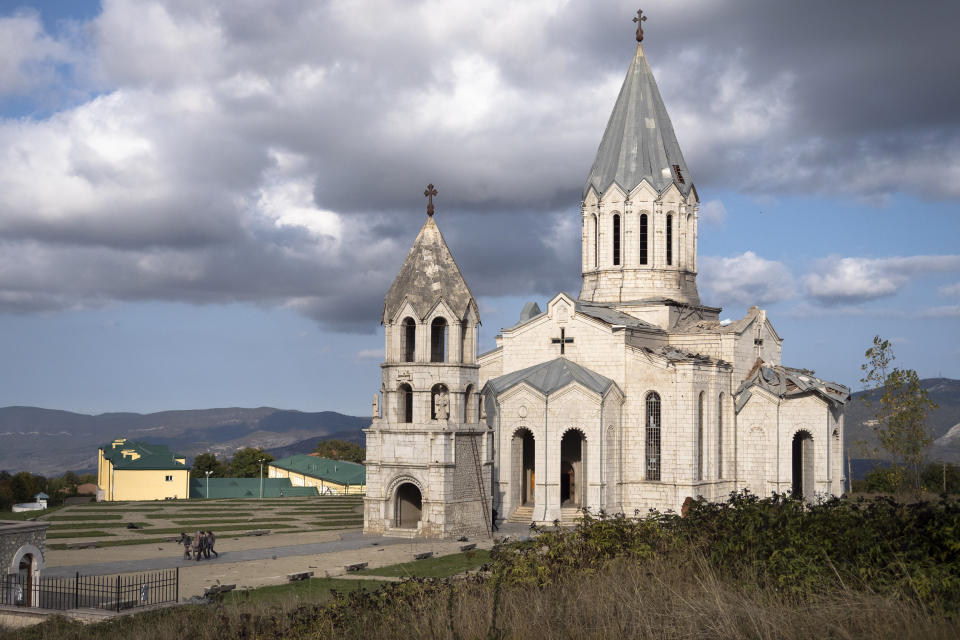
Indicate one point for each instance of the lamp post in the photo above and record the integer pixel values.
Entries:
(262, 460)
(208, 472)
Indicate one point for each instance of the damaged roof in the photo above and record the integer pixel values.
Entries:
(784, 382)
(428, 275)
(605, 313)
(551, 376)
(674, 354)
(638, 143)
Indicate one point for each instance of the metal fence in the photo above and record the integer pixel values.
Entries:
(113, 593)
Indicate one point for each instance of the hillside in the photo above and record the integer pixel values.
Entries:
(50, 442)
(944, 420)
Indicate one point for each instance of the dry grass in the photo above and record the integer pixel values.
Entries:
(656, 599)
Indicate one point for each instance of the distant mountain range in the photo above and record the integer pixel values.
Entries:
(944, 421)
(51, 442)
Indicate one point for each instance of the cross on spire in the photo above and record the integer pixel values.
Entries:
(640, 19)
(563, 340)
(429, 193)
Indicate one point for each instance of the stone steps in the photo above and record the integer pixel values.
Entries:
(522, 514)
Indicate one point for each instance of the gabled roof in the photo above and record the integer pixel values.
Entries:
(337, 471)
(638, 143)
(784, 382)
(428, 274)
(551, 376)
(149, 456)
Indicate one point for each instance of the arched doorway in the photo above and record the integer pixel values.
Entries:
(523, 464)
(409, 505)
(24, 591)
(572, 475)
(803, 486)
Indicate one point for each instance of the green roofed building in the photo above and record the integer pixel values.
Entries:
(129, 470)
(328, 476)
(248, 488)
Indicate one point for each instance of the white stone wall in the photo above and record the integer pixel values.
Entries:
(766, 428)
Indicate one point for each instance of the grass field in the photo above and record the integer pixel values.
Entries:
(78, 534)
(314, 590)
(106, 523)
(440, 567)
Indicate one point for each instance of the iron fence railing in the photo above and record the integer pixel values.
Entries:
(113, 593)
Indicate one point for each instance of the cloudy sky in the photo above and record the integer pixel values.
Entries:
(203, 203)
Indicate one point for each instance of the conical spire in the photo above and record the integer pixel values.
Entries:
(428, 274)
(638, 143)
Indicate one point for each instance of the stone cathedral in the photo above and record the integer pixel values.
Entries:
(631, 396)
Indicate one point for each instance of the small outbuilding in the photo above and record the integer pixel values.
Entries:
(330, 477)
(22, 559)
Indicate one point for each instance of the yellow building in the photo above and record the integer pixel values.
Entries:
(139, 471)
(328, 476)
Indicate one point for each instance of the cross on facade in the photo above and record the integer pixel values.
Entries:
(563, 340)
(640, 19)
(429, 193)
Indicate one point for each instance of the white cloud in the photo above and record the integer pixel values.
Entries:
(370, 354)
(746, 279)
(837, 280)
(950, 289)
(28, 56)
(713, 212)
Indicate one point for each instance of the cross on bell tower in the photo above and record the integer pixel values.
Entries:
(640, 19)
(429, 193)
(563, 340)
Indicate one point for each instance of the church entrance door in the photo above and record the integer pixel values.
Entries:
(572, 476)
(803, 486)
(25, 582)
(524, 466)
(408, 507)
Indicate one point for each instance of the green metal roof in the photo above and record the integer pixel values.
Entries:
(152, 456)
(248, 488)
(337, 471)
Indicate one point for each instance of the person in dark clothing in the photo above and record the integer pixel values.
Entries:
(209, 547)
(185, 541)
(495, 527)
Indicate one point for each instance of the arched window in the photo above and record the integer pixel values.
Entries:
(653, 436)
(720, 437)
(596, 242)
(438, 340)
(643, 238)
(700, 436)
(405, 404)
(669, 239)
(468, 399)
(616, 239)
(439, 402)
(408, 339)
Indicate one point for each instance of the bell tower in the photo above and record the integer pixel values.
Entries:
(639, 207)
(429, 458)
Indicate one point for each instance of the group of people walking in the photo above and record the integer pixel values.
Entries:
(200, 545)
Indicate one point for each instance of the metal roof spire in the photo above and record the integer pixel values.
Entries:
(639, 143)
